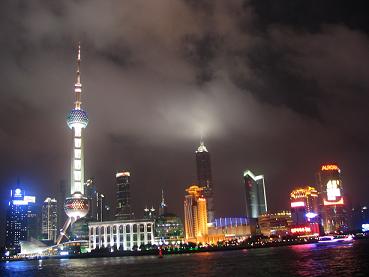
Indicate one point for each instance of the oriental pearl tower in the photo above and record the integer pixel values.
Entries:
(76, 206)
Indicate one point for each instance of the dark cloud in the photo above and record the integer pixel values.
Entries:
(275, 88)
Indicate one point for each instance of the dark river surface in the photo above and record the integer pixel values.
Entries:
(299, 260)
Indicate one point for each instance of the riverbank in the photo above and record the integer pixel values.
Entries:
(175, 250)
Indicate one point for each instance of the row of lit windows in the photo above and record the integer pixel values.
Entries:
(114, 228)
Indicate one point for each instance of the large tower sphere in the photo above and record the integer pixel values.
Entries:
(77, 118)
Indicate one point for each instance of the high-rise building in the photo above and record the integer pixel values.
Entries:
(332, 201)
(163, 205)
(255, 196)
(92, 196)
(76, 206)
(204, 178)
(61, 196)
(50, 220)
(17, 219)
(195, 212)
(124, 211)
(276, 224)
(169, 228)
(304, 205)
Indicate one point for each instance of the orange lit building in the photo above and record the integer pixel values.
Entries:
(304, 205)
(331, 198)
(195, 212)
(277, 224)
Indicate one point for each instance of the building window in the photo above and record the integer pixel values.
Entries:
(128, 238)
(108, 230)
(114, 229)
(77, 153)
(77, 164)
(134, 228)
(77, 132)
(121, 229)
(102, 230)
(77, 142)
(128, 229)
(142, 228)
(148, 226)
(77, 175)
(134, 237)
(142, 237)
(149, 237)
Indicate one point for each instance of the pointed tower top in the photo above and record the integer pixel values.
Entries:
(202, 147)
(78, 85)
(162, 204)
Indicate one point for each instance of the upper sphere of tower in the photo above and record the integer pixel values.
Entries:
(77, 117)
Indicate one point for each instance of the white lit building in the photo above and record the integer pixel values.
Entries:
(121, 234)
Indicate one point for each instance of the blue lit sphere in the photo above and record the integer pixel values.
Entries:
(77, 118)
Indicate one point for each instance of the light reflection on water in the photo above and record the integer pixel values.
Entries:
(298, 260)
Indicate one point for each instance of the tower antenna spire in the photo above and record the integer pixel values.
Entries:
(78, 85)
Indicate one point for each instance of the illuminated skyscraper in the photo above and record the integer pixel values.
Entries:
(255, 196)
(204, 178)
(17, 219)
(195, 211)
(163, 206)
(124, 211)
(332, 202)
(50, 220)
(76, 206)
(304, 205)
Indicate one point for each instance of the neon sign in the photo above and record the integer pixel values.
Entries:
(297, 204)
(329, 167)
(330, 203)
(301, 230)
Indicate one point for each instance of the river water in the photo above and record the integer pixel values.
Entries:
(299, 260)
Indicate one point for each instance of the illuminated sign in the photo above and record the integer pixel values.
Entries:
(365, 227)
(30, 199)
(333, 190)
(20, 202)
(329, 167)
(122, 174)
(18, 193)
(297, 204)
(301, 230)
(330, 203)
(311, 215)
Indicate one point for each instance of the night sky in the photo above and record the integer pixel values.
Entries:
(278, 87)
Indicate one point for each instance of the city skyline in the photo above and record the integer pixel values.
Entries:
(148, 119)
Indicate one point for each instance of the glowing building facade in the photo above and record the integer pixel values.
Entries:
(124, 211)
(76, 206)
(255, 196)
(304, 205)
(121, 234)
(195, 212)
(331, 198)
(17, 220)
(50, 220)
(204, 178)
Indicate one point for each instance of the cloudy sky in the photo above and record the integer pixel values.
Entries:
(278, 87)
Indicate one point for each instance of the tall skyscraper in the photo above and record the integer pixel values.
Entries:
(76, 206)
(17, 220)
(332, 202)
(195, 212)
(92, 196)
(204, 178)
(61, 196)
(163, 205)
(304, 205)
(124, 211)
(255, 196)
(50, 220)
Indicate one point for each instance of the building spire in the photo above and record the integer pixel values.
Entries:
(162, 198)
(78, 85)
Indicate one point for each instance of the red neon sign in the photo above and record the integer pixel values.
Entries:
(301, 230)
(297, 204)
(330, 203)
